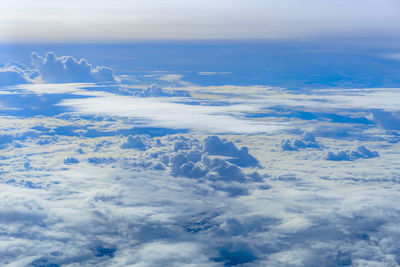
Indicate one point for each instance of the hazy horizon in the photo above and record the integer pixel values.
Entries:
(121, 20)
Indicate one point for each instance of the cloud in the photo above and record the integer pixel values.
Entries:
(71, 160)
(66, 69)
(184, 165)
(161, 253)
(217, 160)
(5, 139)
(347, 155)
(101, 160)
(140, 142)
(213, 145)
(193, 199)
(306, 141)
(126, 213)
(155, 90)
(386, 120)
(165, 112)
(53, 69)
(12, 74)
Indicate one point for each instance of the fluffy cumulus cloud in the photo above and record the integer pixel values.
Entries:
(214, 159)
(349, 155)
(213, 145)
(54, 69)
(67, 69)
(140, 142)
(306, 141)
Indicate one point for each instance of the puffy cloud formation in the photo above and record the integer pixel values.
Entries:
(140, 142)
(219, 173)
(213, 145)
(306, 141)
(360, 153)
(155, 90)
(188, 165)
(53, 69)
(217, 160)
(67, 69)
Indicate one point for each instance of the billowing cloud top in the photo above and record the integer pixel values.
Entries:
(67, 69)
(53, 69)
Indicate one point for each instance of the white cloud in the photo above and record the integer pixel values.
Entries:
(165, 113)
(360, 153)
(58, 88)
(138, 141)
(73, 195)
(67, 69)
(170, 254)
(125, 213)
(306, 141)
(156, 91)
(53, 69)
(10, 75)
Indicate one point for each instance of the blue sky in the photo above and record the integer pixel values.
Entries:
(123, 20)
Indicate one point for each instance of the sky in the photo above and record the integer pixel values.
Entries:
(123, 20)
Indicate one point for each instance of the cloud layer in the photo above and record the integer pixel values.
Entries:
(96, 176)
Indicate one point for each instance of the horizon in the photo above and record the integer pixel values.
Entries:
(123, 20)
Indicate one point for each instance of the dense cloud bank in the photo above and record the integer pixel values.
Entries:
(107, 190)
(122, 199)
